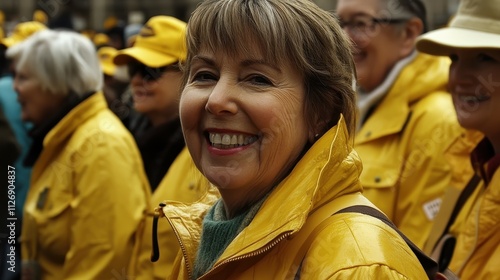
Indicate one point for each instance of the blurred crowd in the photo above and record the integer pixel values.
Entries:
(231, 145)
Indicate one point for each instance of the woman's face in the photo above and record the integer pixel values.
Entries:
(243, 120)
(36, 104)
(475, 86)
(377, 46)
(155, 92)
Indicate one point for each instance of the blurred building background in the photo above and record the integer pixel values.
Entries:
(101, 14)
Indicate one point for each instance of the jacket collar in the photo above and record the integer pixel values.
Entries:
(484, 160)
(328, 170)
(368, 100)
(459, 151)
(38, 133)
(53, 141)
(424, 75)
(78, 115)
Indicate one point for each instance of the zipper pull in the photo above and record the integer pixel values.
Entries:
(155, 253)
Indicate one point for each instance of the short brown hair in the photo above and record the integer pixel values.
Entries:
(297, 31)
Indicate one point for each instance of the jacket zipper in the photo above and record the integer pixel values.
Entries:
(184, 252)
(155, 254)
(155, 250)
(252, 254)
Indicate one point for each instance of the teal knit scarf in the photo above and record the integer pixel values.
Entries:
(217, 234)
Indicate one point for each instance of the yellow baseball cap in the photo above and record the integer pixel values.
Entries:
(89, 33)
(110, 22)
(106, 55)
(101, 39)
(22, 31)
(40, 16)
(160, 42)
(2, 18)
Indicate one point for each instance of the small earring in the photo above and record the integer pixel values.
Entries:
(316, 135)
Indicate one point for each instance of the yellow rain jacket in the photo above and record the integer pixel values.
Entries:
(183, 183)
(349, 246)
(477, 228)
(402, 143)
(88, 196)
(458, 156)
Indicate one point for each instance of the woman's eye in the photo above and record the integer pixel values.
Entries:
(19, 76)
(453, 57)
(485, 57)
(260, 80)
(360, 24)
(204, 77)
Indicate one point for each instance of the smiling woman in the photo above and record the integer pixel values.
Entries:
(472, 41)
(265, 110)
(406, 116)
(269, 120)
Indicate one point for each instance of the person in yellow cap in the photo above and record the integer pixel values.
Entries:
(106, 55)
(114, 85)
(153, 66)
(12, 110)
(2, 22)
(113, 27)
(22, 31)
(472, 42)
(110, 22)
(89, 33)
(101, 40)
(154, 69)
(40, 16)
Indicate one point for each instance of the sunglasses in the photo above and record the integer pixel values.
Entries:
(150, 73)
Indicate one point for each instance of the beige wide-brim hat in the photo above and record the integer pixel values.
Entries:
(476, 25)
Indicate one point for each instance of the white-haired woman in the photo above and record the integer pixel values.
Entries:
(88, 192)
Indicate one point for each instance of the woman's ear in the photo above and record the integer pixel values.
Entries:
(413, 28)
(317, 130)
(312, 137)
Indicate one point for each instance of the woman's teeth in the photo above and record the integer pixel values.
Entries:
(227, 141)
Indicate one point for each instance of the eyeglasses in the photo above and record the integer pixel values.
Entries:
(150, 73)
(366, 24)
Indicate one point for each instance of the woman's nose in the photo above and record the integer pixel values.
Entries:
(222, 98)
(461, 74)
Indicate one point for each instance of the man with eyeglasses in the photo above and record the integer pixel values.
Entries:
(406, 117)
(155, 79)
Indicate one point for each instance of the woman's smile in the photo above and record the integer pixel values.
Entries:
(230, 140)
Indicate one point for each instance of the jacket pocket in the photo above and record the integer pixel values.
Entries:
(53, 222)
(51, 202)
(379, 183)
(379, 176)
